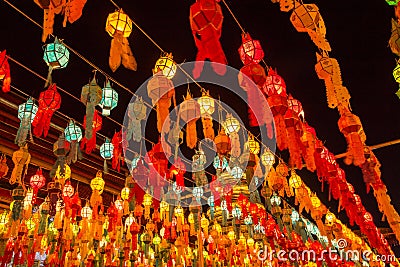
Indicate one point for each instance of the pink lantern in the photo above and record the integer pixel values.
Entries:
(37, 181)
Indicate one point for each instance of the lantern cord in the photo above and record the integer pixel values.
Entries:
(233, 16)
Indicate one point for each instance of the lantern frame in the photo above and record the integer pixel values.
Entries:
(56, 55)
(119, 23)
(73, 132)
(27, 110)
(109, 99)
(166, 65)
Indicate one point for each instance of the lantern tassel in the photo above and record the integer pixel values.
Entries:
(163, 114)
(120, 52)
(105, 167)
(23, 131)
(208, 129)
(191, 134)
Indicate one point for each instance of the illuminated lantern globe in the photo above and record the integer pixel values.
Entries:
(73, 132)
(109, 99)
(207, 108)
(68, 190)
(166, 65)
(250, 51)
(268, 159)
(231, 124)
(27, 110)
(37, 181)
(295, 181)
(119, 22)
(106, 152)
(63, 175)
(97, 183)
(252, 145)
(56, 55)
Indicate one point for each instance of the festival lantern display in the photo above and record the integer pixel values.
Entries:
(49, 102)
(189, 112)
(56, 56)
(161, 90)
(109, 99)
(91, 96)
(206, 24)
(250, 51)
(5, 75)
(207, 108)
(119, 27)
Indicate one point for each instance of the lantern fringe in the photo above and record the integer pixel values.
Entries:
(191, 134)
(208, 129)
(23, 131)
(235, 144)
(163, 121)
(48, 22)
(121, 52)
(281, 135)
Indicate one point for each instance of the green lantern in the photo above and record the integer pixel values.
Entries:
(73, 132)
(56, 55)
(396, 73)
(392, 2)
(109, 99)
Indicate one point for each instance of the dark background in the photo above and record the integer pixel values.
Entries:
(357, 31)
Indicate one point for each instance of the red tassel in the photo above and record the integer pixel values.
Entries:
(5, 72)
(90, 144)
(117, 157)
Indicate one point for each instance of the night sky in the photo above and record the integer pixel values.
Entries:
(358, 32)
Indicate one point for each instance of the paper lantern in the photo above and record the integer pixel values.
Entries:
(97, 183)
(220, 163)
(252, 145)
(156, 240)
(396, 73)
(125, 193)
(106, 150)
(274, 84)
(315, 202)
(198, 193)
(189, 112)
(236, 212)
(250, 51)
(49, 102)
(276, 200)
(268, 158)
(330, 218)
(147, 201)
(68, 190)
(119, 22)
(27, 110)
(295, 181)
(305, 17)
(236, 172)
(37, 181)
(109, 99)
(86, 212)
(222, 143)
(295, 106)
(392, 2)
(295, 216)
(231, 124)
(73, 132)
(63, 175)
(119, 205)
(166, 65)
(56, 55)
(207, 104)
(5, 75)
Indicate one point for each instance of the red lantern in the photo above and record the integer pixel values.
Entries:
(206, 23)
(96, 126)
(49, 102)
(253, 209)
(5, 72)
(117, 157)
(134, 229)
(250, 51)
(37, 181)
(243, 201)
(178, 170)
(222, 143)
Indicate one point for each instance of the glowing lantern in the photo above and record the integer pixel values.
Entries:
(330, 218)
(37, 181)
(305, 17)
(392, 2)
(166, 65)
(231, 124)
(295, 106)
(220, 163)
(268, 159)
(315, 202)
(295, 216)
(28, 199)
(147, 201)
(178, 211)
(86, 212)
(236, 212)
(30, 224)
(56, 55)
(250, 51)
(4, 218)
(119, 205)
(26, 113)
(129, 221)
(276, 200)
(125, 193)
(250, 242)
(295, 181)
(189, 112)
(274, 84)
(236, 172)
(68, 190)
(231, 235)
(198, 193)
(109, 99)
(5, 72)
(106, 152)
(252, 145)
(222, 143)
(63, 175)
(207, 104)
(73, 132)
(97, 183)
(119, 22)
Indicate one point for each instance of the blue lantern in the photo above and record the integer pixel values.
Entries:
(106, 152)
(56, 55)
(220, 163)
(27, 110)
(109, 99)
(73, 132)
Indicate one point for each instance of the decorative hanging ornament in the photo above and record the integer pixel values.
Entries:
(90, 144)
(166, 65)
(26, 114)
(161, 90)
(189, 112)
(20, 158)
(37, 181)
(137, 111)
(222, 143)
(73, 134)
(328, 69)
(117, 158)
(91, 96)
(119, 26)
(207, 108)
(5, 75)
(350, 126)
(206, 24)
(56, 56)
(109, 99)
(250, 51)
(252, 145)
(232, 127)
(394, 41)
(306, 18)
(49, 102)
(3, 166)
(60, 149)
(106, 152)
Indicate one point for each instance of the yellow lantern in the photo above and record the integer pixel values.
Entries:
(164, 209)
(97, 183)
(4, 217)
(119, 204)
(250, 242)
(295, 181)
(75, 229)
(129, 221)
(178, 211)
(66, 175)
(207, 104)
(231, 235)
(30, 224)
(330, 218)
(147, 201)
(86, 212)
(156, 240)
(166, 65)
(231, 124)
(28, 199)
(268, 158)
(242, 240)
(252, 145)
(315, 202)
(119, 22)
(217, 227)
(125, 193)
(204, 222)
